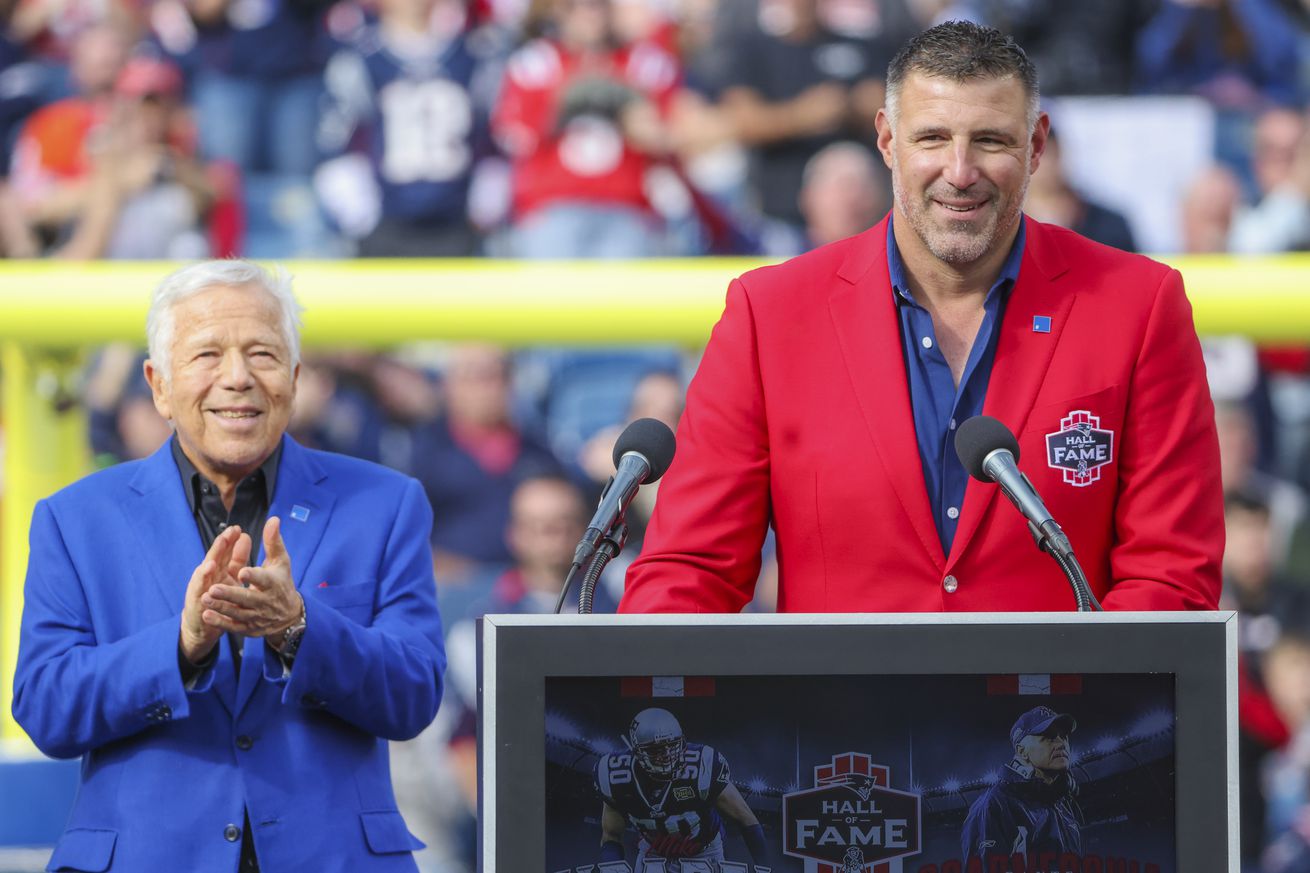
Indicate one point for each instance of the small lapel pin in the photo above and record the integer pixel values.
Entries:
(322, 585)
(1041, 324)
(300, 513)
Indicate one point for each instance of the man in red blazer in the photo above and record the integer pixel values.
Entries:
(828, 397)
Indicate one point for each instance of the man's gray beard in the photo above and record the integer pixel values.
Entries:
(958, 250)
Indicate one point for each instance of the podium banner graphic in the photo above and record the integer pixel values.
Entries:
(870, 774)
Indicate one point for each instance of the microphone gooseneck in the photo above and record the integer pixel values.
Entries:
(642, 454)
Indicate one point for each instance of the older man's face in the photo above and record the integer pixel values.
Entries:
(230, 383)
(1047, 752)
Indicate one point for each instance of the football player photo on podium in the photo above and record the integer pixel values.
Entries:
(907, 743)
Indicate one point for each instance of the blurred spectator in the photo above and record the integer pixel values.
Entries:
(1208, 207)
(1078, 48)
(52, 28)
(22, 84)
(335, 409)
(1053, 198)
(52, 158)
(408, 398)
(1237, 53)
(409, 97)
(905, 18)
(1287, 678)
(703, 134)
(1280, 161)
(257, 82)
(16, 238)
(843, 192)
(1267, 601)
(1276, 136)
(794, 88)
(470, 459)
(660, 395)
(123, 422)
(657, 395)
(366, 405)
(147, 195)
(547, 518)
(1266, 604)
(1286, 503)
(583, 120)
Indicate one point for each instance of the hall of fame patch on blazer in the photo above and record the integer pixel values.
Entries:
(1080, 448)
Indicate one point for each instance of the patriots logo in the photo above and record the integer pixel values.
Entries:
(861, 785)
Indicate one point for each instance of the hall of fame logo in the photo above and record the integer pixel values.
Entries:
(852, 820)
(1079, 449)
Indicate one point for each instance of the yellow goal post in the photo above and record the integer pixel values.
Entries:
(51, 312)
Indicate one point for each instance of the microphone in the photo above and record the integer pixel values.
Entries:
(642, 454)
(990, 453)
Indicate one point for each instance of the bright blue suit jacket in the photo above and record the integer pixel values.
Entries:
(167, 770)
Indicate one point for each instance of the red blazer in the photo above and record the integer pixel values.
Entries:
(799, 417)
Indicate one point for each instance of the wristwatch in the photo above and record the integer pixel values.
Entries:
(292, 636)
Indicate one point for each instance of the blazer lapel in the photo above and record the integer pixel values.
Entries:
(1023, 358)
(160, 518)
(303, 505)
(868, 332)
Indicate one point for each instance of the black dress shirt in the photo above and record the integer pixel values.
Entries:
(249, 510)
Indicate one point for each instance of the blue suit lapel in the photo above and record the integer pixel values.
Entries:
(160, 518)
(303, 504)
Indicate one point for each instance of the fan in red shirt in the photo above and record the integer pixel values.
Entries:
(582, 119)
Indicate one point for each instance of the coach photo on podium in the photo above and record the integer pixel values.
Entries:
(228, 631)
(829, 395)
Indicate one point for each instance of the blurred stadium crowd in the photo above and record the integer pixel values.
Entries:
(640, 128)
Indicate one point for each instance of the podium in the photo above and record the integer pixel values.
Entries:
(908, 743)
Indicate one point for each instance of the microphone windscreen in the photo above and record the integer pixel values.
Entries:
(651, 439)
(979, 437)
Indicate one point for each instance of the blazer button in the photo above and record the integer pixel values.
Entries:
(244, 743)
(950, 583)
(231, 833)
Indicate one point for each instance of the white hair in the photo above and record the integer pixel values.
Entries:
(191, 280)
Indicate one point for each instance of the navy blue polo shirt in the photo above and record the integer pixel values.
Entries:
(938, 405)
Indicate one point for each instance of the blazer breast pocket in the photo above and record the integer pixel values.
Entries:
(1075, 441)
(355, 601)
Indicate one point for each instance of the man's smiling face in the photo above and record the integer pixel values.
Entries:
(961, 154)
(230, 383)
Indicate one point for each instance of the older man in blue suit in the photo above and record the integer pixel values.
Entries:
(228, 631)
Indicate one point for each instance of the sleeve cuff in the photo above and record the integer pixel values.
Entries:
(196, 677)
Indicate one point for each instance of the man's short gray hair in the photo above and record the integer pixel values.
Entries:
(962, 51)
(191, 280)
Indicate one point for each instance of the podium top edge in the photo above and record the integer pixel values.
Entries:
(831, 619)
